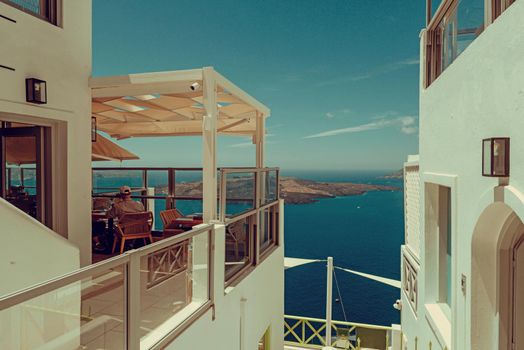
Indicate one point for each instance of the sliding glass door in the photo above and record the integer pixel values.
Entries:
(25, 163)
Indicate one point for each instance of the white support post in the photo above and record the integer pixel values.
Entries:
(151, 201)
(133, 302)
(209, 133)
(329, 299)
(260, 139)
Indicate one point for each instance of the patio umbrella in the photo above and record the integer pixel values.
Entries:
(22, 150)
(105, 149)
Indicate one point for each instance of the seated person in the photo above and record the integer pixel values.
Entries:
(125, 204)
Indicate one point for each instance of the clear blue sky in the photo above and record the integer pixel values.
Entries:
(340, 76)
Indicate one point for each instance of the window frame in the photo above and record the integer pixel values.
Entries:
(433, 37)
(50, 10)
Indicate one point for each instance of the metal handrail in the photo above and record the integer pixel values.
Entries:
(304, 332)
(342, 323)
(37, 290)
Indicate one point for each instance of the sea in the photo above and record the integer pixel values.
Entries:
(362, 233)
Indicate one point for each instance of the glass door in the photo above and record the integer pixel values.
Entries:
(24, 168)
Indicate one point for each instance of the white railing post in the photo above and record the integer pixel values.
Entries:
(151, 201)
(133, 303)
(329, 299)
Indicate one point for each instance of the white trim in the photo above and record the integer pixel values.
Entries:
(439, 323)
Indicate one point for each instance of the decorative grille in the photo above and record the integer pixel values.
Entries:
(412, 208)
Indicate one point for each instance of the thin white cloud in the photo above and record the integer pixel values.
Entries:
(407, 126)
(331, 114)
(377, 71)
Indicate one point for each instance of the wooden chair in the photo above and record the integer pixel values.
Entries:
(236, 237)
(168, 219)
(133, 226)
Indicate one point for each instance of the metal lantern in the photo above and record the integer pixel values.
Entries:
(36, 91)
(495, 157)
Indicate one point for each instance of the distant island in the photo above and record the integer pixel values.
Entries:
(299, 191)
(292, 190)
(396, 175)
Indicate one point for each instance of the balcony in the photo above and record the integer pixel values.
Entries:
(309, 333)
(146, 297)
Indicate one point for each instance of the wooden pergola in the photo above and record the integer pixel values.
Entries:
(180, 103)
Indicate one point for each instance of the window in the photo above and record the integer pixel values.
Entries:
(456, 25)
(444, 245)
(44, 9)
(500, 6)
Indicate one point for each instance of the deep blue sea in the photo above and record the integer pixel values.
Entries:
(362, 233)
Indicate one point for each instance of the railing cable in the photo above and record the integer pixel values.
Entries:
(340, 296)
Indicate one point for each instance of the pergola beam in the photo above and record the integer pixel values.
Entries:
(209, 133)
(241, 94)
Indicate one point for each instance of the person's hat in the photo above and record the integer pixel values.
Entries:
(125, 190)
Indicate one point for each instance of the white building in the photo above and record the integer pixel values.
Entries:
(462, 262)
(218, 285)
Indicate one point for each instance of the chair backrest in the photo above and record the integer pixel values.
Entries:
(237, 230)
(170, 215)
(101, 203)
(136, 223)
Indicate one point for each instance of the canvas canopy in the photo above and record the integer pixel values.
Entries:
(171, 104)
(21, 150)
(105, 149)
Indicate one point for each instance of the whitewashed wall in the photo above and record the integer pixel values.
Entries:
(62, 57)
(255, 304)
(480, 95)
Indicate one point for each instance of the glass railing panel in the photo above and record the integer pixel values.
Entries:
(87, 314)
(158, 180)
(240, 193)
(238, 245)
(188, 183)
(189, 207)
(269, 180)
(188, 191)
(174, 284)
(110, 180)
(268, 234)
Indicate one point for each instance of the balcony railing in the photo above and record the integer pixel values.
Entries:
(141, 299)
(244, 189)
(251, 226)
(309, 333)
(410, 279)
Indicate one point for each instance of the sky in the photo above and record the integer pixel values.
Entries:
(341, 77)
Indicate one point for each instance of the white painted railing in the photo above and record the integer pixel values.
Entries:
(140, 299)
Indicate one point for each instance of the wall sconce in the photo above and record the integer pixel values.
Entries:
(36, 91)
(93, 129)
(495, 157)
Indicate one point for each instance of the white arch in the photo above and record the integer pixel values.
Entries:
(500, 221)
